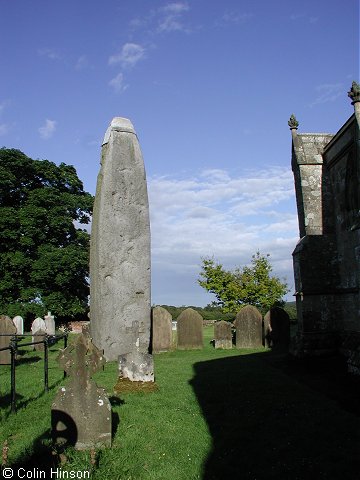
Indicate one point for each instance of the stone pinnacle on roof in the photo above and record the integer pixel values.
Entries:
(293, 123)
(354, 93)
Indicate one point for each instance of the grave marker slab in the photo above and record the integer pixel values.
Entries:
(50, 323)
(189, 330)
(279, 328)
(161, 330)
(19, 324)
(248, 323)
(223, 335)
(7, 327)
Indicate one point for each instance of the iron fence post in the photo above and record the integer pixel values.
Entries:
(46, 363)
(13, 348)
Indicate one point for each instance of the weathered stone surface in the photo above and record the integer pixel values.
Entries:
(50, 324)
(39, 337)
(7, 328)
(189, 330)
(277, 330)
(137, 366)
(19, 324)
(81, 411)
(248, 324)
(161, 330)
(326, 259)
(37, 324)
(223, 335)
(120, 247)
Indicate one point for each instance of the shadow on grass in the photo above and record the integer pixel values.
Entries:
(273, 418)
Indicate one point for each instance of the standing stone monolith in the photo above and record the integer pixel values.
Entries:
(19, 324)
(223, 334)
(248, 323)
(161, 330)
(81, 411)
(189, 330)
(7, 328)
(120, 247)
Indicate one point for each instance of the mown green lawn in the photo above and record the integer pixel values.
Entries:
(216, 415)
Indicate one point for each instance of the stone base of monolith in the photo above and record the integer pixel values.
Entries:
(82, 420)
(137, 366)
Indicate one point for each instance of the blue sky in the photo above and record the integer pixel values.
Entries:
(209, 87)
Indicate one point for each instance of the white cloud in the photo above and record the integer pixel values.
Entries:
(48, 129)
(49, 53)
(225, 215)
(4, 128)
(328, 92)
(236, 17)
(117, 83)
(171, 17)
(130, 55)
(82, 63)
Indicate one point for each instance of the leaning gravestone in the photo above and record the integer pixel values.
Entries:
(120, 247)
(7, 328)
(161, 330)
(81, 411)
(189, 330)
(248, 323)
(279, 328)
(50, 323)
(223, 335)
(19, 324)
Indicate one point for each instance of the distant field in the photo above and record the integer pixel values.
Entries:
(216, 415)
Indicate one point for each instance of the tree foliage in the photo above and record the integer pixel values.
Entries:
(44, 255)
(249, 285)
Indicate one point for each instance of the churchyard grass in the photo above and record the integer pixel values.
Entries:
(216, 414)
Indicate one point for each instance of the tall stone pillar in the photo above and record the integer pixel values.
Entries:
(120, 309)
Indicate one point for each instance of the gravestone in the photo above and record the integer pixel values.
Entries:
(37, 324)
(39, 337)
(267, 331)
(81, 411)
(189, 330)
(19, 324)
(279, 328)
(161, 330)
(50, 323)
(120, 247)
(248, 324)
(7, 328)
(223, 334)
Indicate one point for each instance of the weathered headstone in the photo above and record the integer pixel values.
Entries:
(223, 334)
(50, 323)
(189, 330)
(19, 324)
(37, 324)
(278, 325)
(120, 247)
(161, 330)
(81, 411)
(7, 328)
(248, 323)
(39, 337)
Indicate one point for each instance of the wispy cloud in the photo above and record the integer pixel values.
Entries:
(129, 56)
(118, 83)
(82, 63)
(307, 18)
(171, 17)
(236, 17)
(47, 130)
(328, 92)
(4, 129)
(222, 214)
(49, 53)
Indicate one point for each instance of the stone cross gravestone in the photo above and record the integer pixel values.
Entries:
(161, 330)
(189, 330)
(278, 324)
(248, 323)
(19, 324)
(120, 247)
(81, 411)
(223, 334)
(7, 328)
(50, 323)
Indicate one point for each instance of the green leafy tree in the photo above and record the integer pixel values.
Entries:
(44, 255)
(249, 285)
